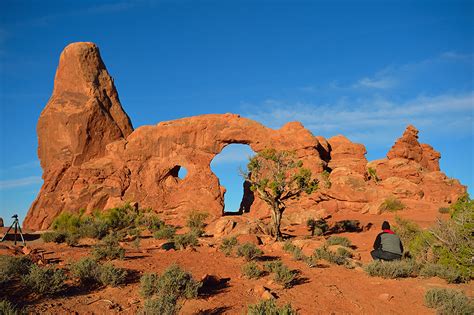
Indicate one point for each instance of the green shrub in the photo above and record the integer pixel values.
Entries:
(325, 179)
(109, 248)
(7, 308)
(443, 210)
(72, 239)
(448, 273)
(269, 307)
(167, 289)
(373, 174)
(228, 245)
(152, 222)
(391, 204)
(317, 227)
(249, 251)
(181, 241)
(343, 252)
(87, 270)
(346, 226)
(449, 301)
(294, 250)
(391, 269)
(148, 284)
(163, 305)
(165, 232)
(111, 275)
(12, 267)
(45, 281)
(196, 221)
(282, 274)
(338, 240)
(67, 222)
(56, 237)
(251, 270)
(325, 254)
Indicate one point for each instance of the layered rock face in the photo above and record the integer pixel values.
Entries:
(93, 159)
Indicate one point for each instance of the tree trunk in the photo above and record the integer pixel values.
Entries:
(276, 219)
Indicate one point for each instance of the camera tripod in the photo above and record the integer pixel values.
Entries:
(16, 225)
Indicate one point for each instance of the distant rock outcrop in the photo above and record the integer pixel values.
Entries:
(93, 159)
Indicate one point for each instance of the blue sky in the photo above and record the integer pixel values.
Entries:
(364, 69)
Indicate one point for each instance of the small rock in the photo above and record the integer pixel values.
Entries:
(259, 289)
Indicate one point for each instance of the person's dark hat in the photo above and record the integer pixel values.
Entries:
(385, 225)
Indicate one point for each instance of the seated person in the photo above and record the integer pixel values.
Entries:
(387, 245)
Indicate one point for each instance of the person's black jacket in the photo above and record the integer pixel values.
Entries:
(378, 240)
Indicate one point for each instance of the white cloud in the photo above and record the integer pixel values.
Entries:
(233, 153)
(376, 83)
(20, 182)
(374, 117)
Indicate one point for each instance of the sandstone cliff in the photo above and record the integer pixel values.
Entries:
(93, 159)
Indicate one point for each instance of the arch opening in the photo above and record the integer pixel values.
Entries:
(178, 171)
(226, 165)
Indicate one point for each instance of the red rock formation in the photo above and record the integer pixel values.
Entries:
(93, 159)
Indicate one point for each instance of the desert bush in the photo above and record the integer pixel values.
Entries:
(372, 174)
(346, 226)
(325, 179)
(449, 301)
(196, 221)
(251, 270)
(7, 308)
(338, 240)
(294, 250)
(45, 281)
(391, 204)
(391, 269)
(12, 267)
(181, 241)
(111, 275)
(54, 236)
(163, 305)
(167, 289)
(249, 251)
(448, 273)
(269, 307)
(87, 270)
(148, 284)
(151, 222)
(343, 252)
(67, 222)
(317, 227)
(109, 248)
(331, 257)
(165, 232)
(72, 239)
(443, 210)
(228, 245)
(282, 274)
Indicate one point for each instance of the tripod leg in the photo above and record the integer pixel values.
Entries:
(21, 234)
(16, 228)
(7, 232)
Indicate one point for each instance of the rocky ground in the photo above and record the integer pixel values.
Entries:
(327, 289)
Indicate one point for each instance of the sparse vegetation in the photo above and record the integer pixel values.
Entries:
(56, 237)
(391, 269)
(277, 176)
(317, 227)
(45, 281)
(325, 179)
(7, 308)
(165, 232)
(87, 270)
(269, 307)
(13, 267)
(294, 250)
(325, 254)
(346, 226)
(391, 204)
(372, 173)
(228, 245)
(249, 251)
(443, 210)
(282, 274)
(111, 275)
(251, 270)
(196, 222)
(448, 273)
(338, 240)
(182, 241)
(109, 248)
(167, 290)
(449, 301)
